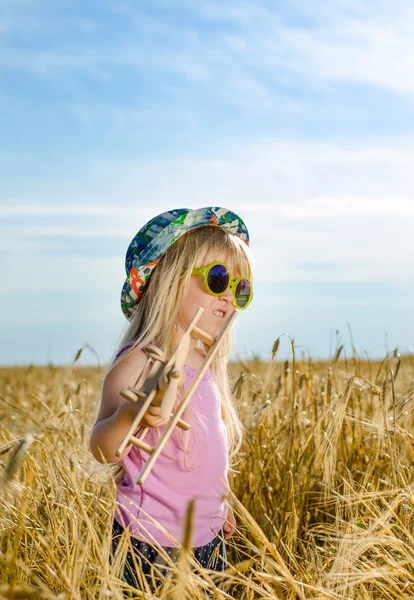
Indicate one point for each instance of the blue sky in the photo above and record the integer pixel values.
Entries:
(299, 118)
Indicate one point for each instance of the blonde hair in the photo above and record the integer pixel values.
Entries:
(156, 313)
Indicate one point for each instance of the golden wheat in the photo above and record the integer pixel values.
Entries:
(322, 488)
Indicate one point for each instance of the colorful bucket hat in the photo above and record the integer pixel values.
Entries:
(153, 240)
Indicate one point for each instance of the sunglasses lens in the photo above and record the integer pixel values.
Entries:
(218, 279)
(243, 292)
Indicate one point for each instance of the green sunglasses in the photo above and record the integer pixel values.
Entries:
(217, 280)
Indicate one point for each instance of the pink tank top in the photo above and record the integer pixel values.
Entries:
(180, 475)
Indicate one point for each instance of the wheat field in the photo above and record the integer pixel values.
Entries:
(322, 487)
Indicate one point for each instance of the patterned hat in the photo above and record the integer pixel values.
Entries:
(153, 240)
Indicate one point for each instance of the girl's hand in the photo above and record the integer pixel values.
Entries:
(128, 411)
(152, 417)
(229, 526)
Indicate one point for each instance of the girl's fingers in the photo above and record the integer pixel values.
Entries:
(160, 422)
(152, 417)
(156, 421)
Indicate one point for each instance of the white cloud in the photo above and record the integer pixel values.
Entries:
(255, 48)
(69, 232)
(122, 118)
(340, 41)
(46, 62)
(59, 274)
(306, 204)
(215, 11)
(351, 51)
(314, 209)
(9, 208)
(309, 209)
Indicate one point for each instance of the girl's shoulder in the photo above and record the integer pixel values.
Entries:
(125, 371)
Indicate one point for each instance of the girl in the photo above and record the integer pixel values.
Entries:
(177, 262)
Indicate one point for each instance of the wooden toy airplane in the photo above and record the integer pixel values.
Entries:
(161, 386)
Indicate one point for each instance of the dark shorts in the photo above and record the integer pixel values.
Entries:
(211, 556)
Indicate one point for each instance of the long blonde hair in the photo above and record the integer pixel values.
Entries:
(157, 311)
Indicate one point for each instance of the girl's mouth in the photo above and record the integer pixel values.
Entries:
(218, 313)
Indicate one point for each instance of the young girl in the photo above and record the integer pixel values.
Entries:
(177, 262)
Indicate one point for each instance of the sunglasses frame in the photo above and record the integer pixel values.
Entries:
(233, 283)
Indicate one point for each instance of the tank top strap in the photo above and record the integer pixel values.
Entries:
(122, 350)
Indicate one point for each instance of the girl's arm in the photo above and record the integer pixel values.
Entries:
(116, 414)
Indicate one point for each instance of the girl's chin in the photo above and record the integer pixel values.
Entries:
(211, 325)
(214, 327)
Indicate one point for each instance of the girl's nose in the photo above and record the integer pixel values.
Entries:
(227, 296)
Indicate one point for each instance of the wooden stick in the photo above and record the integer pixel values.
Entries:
(183, 405)
(143, 433)
(140, 444)
(135, 423)
(199, 334)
